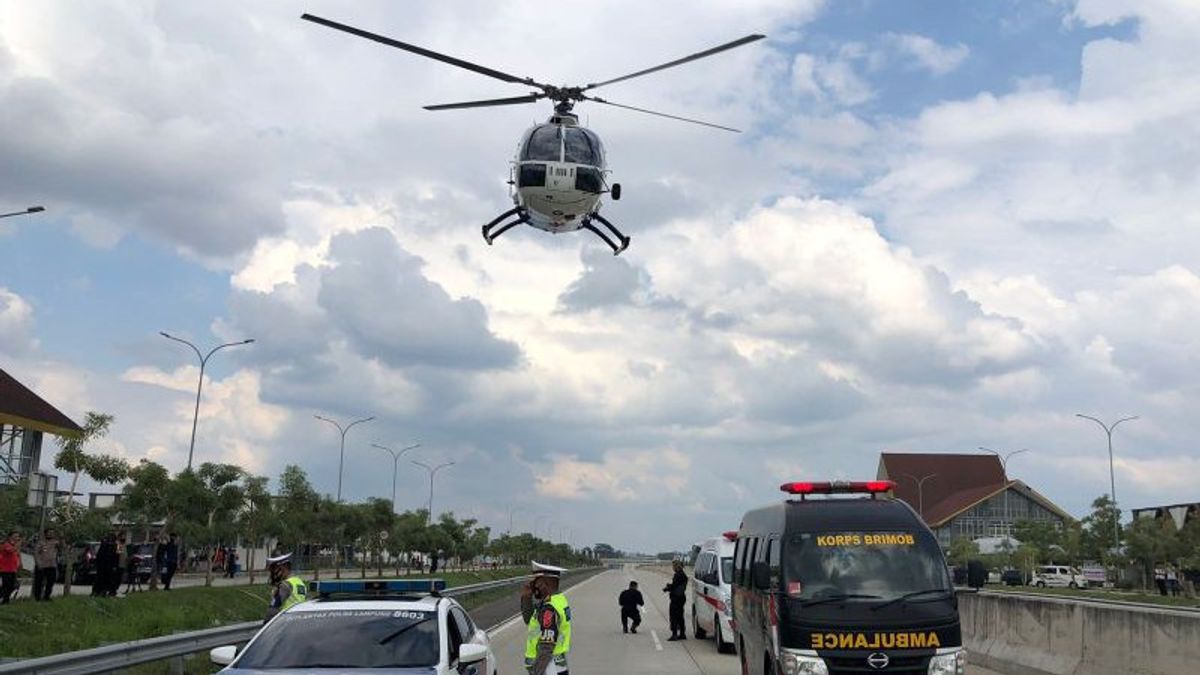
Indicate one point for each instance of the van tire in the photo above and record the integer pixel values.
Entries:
(723, 647)
(1073, 585)
(1040, 584)
(697, 631)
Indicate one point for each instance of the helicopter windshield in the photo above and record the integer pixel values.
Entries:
(583, 147)
(543, 144)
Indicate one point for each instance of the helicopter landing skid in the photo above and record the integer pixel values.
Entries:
(489, 236)
(624, 240)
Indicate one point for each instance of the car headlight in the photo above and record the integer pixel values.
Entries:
(951, 661)
(793, 662)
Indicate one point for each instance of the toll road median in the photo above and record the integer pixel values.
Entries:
(1043, 635)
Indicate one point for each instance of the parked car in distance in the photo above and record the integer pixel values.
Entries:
(1013, 578)
(83, 564)
(1058, 576)
(143, 556)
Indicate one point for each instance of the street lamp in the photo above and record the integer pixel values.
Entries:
(342, 456)
(432, 472)
(1112, 476)
(920, 491)
(512, 510)
(1004, 469)
(396, 455)
(32, 209)
(200, 385)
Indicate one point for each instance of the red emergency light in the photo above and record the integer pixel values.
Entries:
(730, 535)
(871, 487)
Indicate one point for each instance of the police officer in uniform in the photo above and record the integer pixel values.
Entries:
(287, 589)
(548, 620)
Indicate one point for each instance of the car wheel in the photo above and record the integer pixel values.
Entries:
(1040, 584)
(1072, 585)
(699, 632)
(723, 647)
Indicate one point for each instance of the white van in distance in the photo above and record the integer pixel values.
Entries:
(712, 608)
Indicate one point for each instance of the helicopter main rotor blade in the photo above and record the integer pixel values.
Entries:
(489, 102)
(678, 62)
(654, 112)
(473, 67)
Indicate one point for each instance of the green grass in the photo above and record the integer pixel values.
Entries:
(1103, 594)
(29, 629)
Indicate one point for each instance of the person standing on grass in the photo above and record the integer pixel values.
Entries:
(107, 564)
(45, 565)
(168, 561)
(10, 562)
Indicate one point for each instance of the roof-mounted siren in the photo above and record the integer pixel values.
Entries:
(730, 535)
(391, 588)
(871, 487)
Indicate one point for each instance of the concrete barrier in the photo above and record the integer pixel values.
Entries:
(1023, 635)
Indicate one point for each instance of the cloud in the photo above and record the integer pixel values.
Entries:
(16, 324)
(622, 475)
(937, 59)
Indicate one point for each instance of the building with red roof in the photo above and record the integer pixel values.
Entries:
(24, 418)
(965, 495)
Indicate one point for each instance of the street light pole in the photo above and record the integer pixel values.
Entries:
(32, 209)
(1112, 475)
(920, 491)
(1004, 470)
(396, 455)
(342, 455)
(200, 385)
(432, 472)
(512, 510)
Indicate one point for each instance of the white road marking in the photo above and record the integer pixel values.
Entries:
(657, 644)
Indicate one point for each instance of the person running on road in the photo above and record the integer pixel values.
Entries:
(630, 600)
(677, 591)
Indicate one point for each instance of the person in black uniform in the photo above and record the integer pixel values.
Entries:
(677, 591)
(629, 600)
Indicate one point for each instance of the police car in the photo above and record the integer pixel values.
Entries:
(383, 626)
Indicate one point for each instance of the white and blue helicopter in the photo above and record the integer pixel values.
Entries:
(560, 172)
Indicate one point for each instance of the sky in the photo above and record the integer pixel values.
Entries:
(947, 225)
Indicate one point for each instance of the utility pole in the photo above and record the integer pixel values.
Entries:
(920, 491)
(1112, 475)
(342, 455)
(1004, 469)
(432, 472)
(200, 385)
(396, 455)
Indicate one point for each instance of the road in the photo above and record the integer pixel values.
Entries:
(598, 646)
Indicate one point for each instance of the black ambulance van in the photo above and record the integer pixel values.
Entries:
(834, 585)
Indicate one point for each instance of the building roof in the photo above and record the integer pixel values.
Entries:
(953, 483)
(20, 407)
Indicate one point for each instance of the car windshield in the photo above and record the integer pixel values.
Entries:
(726, 570)
(345, 639)
(882, 565)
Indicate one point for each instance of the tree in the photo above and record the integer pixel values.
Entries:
(297, 508)
(1151, 542)
(223, 497)
(961, 550)
(104, 469)
(257, 518)
(1039, 537)
(1096, 539)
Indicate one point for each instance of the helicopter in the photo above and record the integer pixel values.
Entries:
(559, 172)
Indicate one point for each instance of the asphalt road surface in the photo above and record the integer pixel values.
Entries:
(598, 646)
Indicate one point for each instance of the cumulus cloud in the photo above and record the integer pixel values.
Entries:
(16, 324)
(936, 58)
(621, 475)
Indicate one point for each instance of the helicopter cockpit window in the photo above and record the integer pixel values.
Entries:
(543, 144)
(583, 147)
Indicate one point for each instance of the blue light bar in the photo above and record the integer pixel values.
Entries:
(326, 588)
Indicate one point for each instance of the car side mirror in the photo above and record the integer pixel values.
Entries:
(469, 652)
(223, 656)
(760, 574)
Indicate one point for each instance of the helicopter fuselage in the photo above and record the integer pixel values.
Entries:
(559, 175)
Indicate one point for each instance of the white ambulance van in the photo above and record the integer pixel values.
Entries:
(712, 611)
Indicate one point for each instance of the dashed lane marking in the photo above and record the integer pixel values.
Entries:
(657, 644)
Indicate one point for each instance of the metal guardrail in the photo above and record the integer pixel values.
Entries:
(126, 654)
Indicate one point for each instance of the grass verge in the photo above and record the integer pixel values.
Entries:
(29, 629)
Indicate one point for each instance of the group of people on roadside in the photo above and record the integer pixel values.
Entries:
(110, 564)
(1166, 578)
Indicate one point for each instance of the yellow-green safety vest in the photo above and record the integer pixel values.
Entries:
(299, 592)
(559, 602)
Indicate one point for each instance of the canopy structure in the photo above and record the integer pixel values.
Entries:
(21, 408)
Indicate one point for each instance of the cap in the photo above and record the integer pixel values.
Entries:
(543, 570)
(280, 559)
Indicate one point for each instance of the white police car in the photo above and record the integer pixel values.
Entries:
(368, 626)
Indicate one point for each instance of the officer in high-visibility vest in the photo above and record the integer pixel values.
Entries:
(287, 589)
(548, 619)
